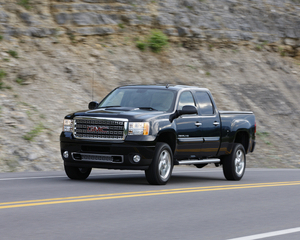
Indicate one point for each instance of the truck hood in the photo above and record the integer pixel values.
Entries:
(132, 114)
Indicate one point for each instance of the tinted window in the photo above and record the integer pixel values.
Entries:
(186, 98)
(205, 103)
(158, 99)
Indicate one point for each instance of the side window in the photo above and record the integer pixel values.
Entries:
(206, 107)
(186, 98)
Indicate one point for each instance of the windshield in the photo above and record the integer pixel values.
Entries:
(151, 99)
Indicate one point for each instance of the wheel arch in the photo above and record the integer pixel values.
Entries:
(243, 138)
(168, 137)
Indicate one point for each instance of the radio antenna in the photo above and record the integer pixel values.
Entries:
(93, 85)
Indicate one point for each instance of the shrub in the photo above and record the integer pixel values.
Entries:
(13, 53)
(157, 41)
(2, 75)
(121, 25)
(141, 45)
(24, 3)
(34, 132)
(20, 81)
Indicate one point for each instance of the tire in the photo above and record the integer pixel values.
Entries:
(160, 170)
(77, 173)
(234, 165)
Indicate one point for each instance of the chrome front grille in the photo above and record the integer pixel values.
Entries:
(100, 128)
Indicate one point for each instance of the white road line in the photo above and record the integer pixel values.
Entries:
(27, 178)
(269, 234)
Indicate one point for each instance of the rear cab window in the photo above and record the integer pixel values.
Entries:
(205, 103)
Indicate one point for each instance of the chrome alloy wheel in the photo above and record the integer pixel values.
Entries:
(239, 162)
(164, 166)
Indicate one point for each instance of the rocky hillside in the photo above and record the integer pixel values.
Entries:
(246, 52)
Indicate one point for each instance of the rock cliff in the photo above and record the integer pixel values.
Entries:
(246, 52)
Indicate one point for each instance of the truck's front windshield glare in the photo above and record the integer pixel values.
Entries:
(150, 99)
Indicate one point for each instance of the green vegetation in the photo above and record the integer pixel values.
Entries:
(71, 37)
(260, 46)
(34, 132)
(207, 74)
(20, 81)
(13, 53)
(192, 67)
(121, 25)
(141, 45)
(1, 37)
(156, 41)
(282, 52)
(2, 75)
(25, 4)
(264, 136)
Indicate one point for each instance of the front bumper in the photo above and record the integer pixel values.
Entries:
(109, 154)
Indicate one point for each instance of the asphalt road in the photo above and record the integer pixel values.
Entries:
(111, 204)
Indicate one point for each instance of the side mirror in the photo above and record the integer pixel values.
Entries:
(93, 105)
(188, 109)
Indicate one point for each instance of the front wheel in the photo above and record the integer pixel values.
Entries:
(234, 165)
(77, 173)
(160, 170)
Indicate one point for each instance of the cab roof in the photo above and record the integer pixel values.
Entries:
(168, 86)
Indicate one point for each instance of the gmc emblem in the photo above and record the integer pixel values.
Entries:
(95, 129)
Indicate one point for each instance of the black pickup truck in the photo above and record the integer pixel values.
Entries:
(153, 128)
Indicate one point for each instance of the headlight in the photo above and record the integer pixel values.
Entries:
(68, 125)
(138, 128)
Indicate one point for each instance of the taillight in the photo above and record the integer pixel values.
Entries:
(255, 129)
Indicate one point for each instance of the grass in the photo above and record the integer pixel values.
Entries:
(34, 132)
(260, 46)
(1, 37)
(72, 37)
(264, 136)
(25, 4)
(20, 81)
(121, 25)
(2, 75)
(13, 53)
(192, 67)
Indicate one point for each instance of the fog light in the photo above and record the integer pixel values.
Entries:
(136, 158)
(66, 154)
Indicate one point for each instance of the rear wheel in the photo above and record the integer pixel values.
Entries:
(160, 170)
(234, 165)
(77, 173)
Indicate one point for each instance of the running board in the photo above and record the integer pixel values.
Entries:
(202, 161)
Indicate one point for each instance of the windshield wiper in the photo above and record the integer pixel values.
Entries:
(109, 106)
(148, 108)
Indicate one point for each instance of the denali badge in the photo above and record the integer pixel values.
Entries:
(95, 129)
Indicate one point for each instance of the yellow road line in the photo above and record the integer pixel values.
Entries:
(50, 201)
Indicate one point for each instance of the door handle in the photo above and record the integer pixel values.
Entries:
(216, 123)
(198, 124)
